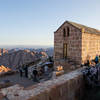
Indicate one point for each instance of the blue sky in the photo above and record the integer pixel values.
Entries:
(32, 22)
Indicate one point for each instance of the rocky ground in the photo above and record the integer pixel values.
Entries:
(16, 79)
(23, 81)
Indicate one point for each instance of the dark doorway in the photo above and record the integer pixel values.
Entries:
(65, 50)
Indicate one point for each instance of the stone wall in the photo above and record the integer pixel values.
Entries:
(73, 41)
(66, 87)
(80, 45)
(90, 46)
(74, 44)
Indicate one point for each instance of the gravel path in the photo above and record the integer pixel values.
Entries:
(23, 81)
(16, 79)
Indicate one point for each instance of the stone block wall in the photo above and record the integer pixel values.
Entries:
(74, 43)
(66, 87)
(80, 45)
(90, 46)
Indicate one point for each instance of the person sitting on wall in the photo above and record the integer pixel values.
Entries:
(96, 59)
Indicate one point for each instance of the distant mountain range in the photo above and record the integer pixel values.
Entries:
(49, 51)
(16, 57)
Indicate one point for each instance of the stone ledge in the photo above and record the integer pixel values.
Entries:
(68, 86)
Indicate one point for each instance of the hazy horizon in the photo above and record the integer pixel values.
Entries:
(25, 46)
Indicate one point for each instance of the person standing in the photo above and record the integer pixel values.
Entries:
(20, 71)
(26, 71)
(96, 59)
(46, 69)
(99, 58)
(35, 73)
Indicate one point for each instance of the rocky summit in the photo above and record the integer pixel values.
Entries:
(18, 58)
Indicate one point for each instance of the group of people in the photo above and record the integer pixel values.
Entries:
(23, 70)
(92, 75)
(92, 72)
(93, 62)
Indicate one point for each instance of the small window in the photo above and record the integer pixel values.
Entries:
(68, 31)
(64, 32)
